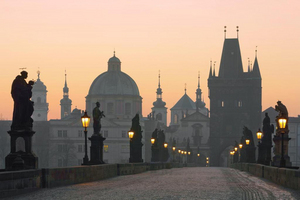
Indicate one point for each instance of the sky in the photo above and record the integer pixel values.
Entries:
(177, 38)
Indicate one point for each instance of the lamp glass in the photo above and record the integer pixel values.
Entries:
(259, 134)
(241, 146)
(174, 148)
(85, 119)
(189, 153)
(165, 145)
(179, 150)
(152, 140)
(130, 134)
(282, 123)
(247, 142)
(235, 148)
(198, 154)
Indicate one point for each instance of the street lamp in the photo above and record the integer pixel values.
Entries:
(179, 151)
(130, 134)
(152, 140)
(247, 142)
(235, 148)
(85, 119)
(282, 124)
(240, 146)
(165, 145)
(174, 148)
(259, 134)
(198, 154)
(189, 153)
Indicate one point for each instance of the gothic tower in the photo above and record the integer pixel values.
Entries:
(65, 102)
(235, 101)
(159, 110)
(39, 97)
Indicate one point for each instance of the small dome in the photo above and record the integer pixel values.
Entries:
(114, 83)
(114, 59)
(39, 86)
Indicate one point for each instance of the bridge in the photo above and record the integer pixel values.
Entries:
(172, 183)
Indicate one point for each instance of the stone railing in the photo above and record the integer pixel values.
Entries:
(20, 182)
(283, 176)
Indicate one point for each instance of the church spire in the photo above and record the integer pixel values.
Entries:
(214, 72)
(66, 89)
(65, 102)
(159, 90)
(256, 71)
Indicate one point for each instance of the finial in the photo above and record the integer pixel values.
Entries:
(214, 72)
(198, 79)
(114, 53)
(255, 51)
(225, 32)
(251, 66)
(159, 79)
(237, 31)
(248, 65)
(38, 73)
(65, 77)
(185, 88)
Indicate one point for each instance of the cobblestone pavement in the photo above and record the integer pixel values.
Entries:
(183, 183)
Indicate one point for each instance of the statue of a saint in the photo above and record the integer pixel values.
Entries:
(97, 115)
(23, 106)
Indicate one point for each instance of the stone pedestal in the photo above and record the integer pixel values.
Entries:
(96, 149)
(135, 151)
(154, 153)
(21, 156)
(277, 150)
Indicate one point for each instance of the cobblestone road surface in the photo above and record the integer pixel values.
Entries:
(183, 183)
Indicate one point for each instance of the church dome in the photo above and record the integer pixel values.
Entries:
(39, 85)
(114, 81)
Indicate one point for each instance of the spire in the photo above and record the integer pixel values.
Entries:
(159, 79)
(249, 65)
(114, 53)
(210, 70)
(199, 80)
(199, 103)
(237, 32)
(256, 71)
(185, 88)
(224, 32)
(214, 72)
(66, 89)
(38, 73)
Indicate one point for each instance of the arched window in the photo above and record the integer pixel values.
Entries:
(159, 116)
(110, 108)
(175, 119)
(127, 108)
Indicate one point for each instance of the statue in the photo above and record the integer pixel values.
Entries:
(282, 110)
(97, 115)
(23, 106)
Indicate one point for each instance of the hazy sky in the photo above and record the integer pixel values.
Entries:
(179, 38)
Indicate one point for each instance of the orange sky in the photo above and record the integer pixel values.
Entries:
(176, 37)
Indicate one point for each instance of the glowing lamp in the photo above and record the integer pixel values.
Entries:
(259, 134)
(165, 145)
(235, 148)
(185, 152)
(179, 151)
(247, 142)
(85, 119)
(152, 140)
(189, 153)
(198, 154)
(282, 123)
(130, 134)
(174, 148)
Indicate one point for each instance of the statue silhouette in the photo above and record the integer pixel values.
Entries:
(97, 115)
(23, 106)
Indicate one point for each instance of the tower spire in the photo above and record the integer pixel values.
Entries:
(159, 79)
(214, 72)
(185, 88)
(256, 52)
(38, 73)
(248, 65)
(210, 69)
(199, 80)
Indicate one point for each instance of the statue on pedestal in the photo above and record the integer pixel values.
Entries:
(97, 115)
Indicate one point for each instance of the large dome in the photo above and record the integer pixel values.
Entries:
(114, 83)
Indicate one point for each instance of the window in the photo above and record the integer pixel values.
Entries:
(65, 133)
(127, 108)
(105, 148)
(110, 108)
(240, 104)
(80, 134)
(222, 104)
(105, 133)
(80, 148)
(124, 134)
(59, 133)
(159, 116)
(175, 119)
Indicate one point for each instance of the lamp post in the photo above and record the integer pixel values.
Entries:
(261, 147)
(240, 146)
(173, 148)
(85, 119)
(282, 125)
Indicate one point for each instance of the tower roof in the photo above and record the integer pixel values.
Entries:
(185, 102)
(39, 85)
(256, 71)
(231, 62)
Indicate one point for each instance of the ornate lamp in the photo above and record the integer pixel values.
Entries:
(198, 154)
(174, 148)
(179, 151)
(235, 148)
(247, 142)
(189, 153)
(241, 146)
(259, 134)
(130, 134)
(152, 140)
(282, 125)
(85, 119)
(165, 145)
